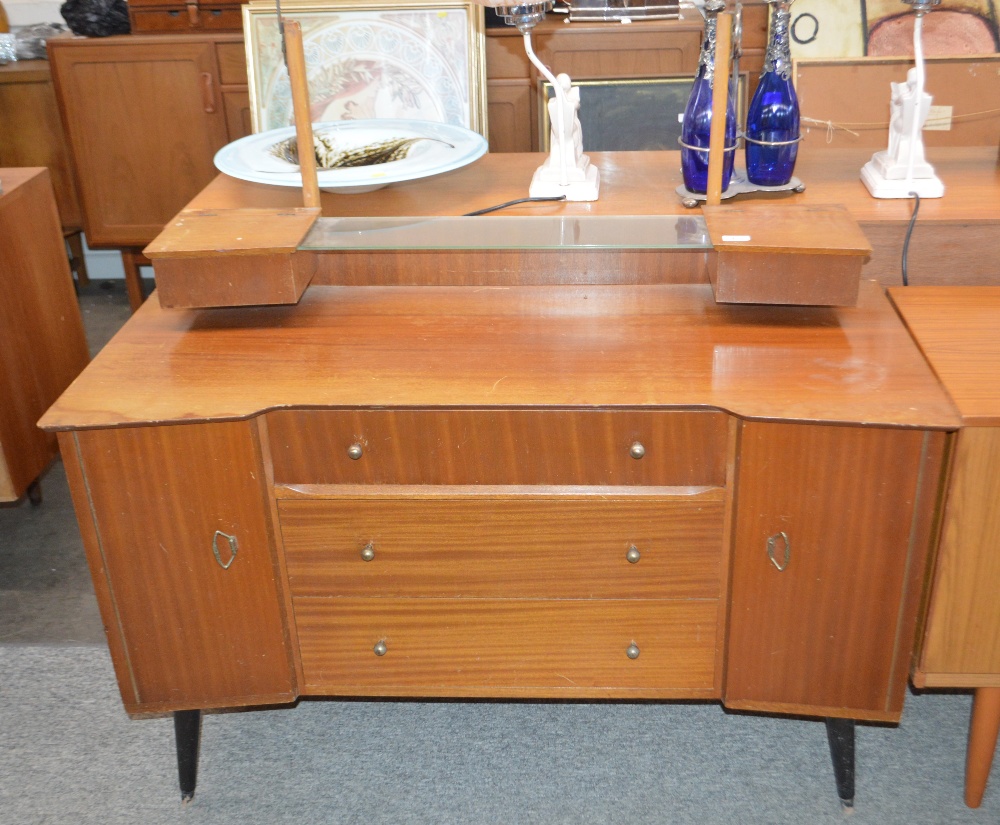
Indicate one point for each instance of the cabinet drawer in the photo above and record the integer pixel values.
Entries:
(232, 59)
(204, 18)
(573, 548)
(576, 447)
(442, 646)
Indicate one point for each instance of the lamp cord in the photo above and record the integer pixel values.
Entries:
(513, 203)
(909, 232)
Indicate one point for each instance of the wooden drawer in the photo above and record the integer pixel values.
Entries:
(571, 548)
(232, 59)
(497, 647)
(202, 18)
(581, 447)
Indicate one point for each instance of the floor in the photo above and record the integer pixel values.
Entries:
(45, 590)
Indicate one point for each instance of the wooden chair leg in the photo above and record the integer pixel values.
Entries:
(132, 259)
(77, 263)
(983, 729)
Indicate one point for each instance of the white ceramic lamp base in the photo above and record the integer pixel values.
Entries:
(885, 181)
(583, 182)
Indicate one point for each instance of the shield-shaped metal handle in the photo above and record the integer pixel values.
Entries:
(772, 545)
(233, 547)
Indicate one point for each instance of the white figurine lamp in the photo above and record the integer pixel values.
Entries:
(902, 170)
(567, 171)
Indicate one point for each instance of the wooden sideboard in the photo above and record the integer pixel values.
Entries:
(958, 330)
(42, 344)
(562, 491)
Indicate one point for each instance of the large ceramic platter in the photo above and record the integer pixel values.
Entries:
(451, 147)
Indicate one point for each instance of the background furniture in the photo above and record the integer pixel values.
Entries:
(31, 134)
(144, 117)
(42, 345)
(957, 329)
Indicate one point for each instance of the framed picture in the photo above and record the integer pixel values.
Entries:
(388, 59)
(627, 115)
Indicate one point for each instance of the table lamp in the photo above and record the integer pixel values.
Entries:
(902, 171)
(567, 171)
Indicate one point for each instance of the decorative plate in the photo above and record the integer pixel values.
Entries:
(448, 147)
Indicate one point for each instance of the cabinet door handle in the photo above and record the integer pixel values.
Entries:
(233, 544)
(772, 545)
(208, 92)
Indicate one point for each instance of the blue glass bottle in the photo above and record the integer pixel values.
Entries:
(697, 126)
(772, 132)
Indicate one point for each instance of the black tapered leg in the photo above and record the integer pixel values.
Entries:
(840, 732)
(187, 730)
(34, 492)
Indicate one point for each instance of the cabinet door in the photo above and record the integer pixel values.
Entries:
(144, 122)
(832, 633)
(186, 629)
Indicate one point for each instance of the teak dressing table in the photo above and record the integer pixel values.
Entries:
(583, 486)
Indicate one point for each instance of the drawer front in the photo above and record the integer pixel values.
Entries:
(497, 646)
(232, 59)
(152, 21)
(634, 547)
(677, 448)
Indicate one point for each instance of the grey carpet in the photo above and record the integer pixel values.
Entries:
(70, 754)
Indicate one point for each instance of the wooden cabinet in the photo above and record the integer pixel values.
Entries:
(426, 519)
(812, 515)
(183, 511)
(145, 117)
(957, 330)
(31, 133)
(42, 344)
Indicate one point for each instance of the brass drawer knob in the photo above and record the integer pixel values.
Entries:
(637, 451)
(380, 649)
(633, 651)
(354, 452)
(368, 552)
(633, 555)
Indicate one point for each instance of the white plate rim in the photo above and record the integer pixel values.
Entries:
(471, 147)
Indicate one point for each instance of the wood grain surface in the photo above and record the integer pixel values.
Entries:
(503, 547)
(643, 183)
(42, 342)
(835, 628)
(505, 647)
(962, 645)
(190, 633)
(959, 333)
(504, 447)
(667, 346)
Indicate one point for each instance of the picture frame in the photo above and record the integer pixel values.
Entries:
(650, 105)
(386, 58)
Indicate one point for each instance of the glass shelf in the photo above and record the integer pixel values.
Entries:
(510, 232)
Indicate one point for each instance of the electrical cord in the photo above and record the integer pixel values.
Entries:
(513, 203)
(909, 232)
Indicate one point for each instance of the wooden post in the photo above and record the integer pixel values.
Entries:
(300, 107)
(720, 102)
